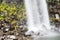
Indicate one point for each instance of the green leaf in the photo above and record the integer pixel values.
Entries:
(1, 17)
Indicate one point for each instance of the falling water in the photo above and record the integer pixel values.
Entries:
(37, 17)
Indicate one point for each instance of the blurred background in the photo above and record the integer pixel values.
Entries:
(13, 18)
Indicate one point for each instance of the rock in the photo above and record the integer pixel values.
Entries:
(15, 39)
(17, 34)
(11, 33)
(1, 1)
(2, 39)
(11, 36)
(11, 28)
(7, 29)
(1, 33)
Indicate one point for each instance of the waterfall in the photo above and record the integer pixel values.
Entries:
(33, 16)
(37, 16)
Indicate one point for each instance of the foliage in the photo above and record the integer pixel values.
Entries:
(12, 13)
(54, 1)
(1, 17)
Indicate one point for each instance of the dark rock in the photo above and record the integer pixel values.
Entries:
(26, 35)
(5, 30)
(2, 39)
(6, 21)
(11, 33)
(15, 39)
(11, 28)
(4, 34)
(1, 1)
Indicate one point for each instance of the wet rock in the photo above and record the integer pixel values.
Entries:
(27, 35)
(15, 39)
(11, 28)
(5, 30)
(12, 36)
(2, 38)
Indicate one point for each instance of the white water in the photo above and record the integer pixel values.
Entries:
(38, 18)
